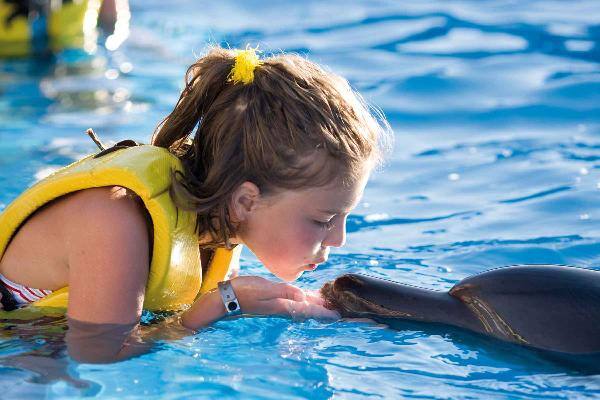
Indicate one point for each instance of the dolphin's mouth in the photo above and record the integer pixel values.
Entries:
(341, 295)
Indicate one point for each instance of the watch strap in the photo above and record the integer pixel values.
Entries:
(230, 301)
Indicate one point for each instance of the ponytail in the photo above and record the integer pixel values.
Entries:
(204, 80)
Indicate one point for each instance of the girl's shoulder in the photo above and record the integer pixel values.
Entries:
(103, 222)
(108, 249)
(106, 195)
(113, 207)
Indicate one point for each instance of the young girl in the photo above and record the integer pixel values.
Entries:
(272, 154)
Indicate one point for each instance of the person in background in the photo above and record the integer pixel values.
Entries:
(40, 28)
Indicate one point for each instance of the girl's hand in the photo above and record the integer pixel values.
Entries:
(260, 296)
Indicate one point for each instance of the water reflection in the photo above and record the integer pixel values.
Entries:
(504, 96)
(38, 348)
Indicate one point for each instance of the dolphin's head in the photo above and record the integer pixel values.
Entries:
(354, 295)
(344, 295)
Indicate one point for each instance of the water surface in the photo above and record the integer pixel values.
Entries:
(495, 110)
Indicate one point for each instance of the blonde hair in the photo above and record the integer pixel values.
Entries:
(270, 131)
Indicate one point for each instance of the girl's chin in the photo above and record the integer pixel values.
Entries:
(291, 278)
(287, 276)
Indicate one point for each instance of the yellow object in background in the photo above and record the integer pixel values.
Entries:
(15, 34)
(66, 25)
(60, 25)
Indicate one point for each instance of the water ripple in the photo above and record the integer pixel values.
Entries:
(538, 194)
(357, 222)
(496, 116)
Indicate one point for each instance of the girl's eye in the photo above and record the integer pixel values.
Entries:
(324, 224)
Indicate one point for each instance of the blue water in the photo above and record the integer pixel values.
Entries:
(495, 109)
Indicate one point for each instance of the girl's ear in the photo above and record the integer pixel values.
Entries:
(243, 201)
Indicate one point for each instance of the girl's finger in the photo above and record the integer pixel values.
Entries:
(287, 291)
(314, 297)
(297, 310)
(322, 313)
(303, 310)
(279, 306)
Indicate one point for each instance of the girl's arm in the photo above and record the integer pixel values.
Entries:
(258, 296)
(106, 240)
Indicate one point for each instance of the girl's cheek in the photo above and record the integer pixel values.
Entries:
(313, 235)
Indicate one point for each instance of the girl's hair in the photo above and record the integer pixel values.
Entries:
(294, 126)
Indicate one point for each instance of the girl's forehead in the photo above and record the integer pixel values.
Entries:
(331, 199)
(339, 196)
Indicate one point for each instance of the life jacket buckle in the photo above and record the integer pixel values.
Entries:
(123, 144)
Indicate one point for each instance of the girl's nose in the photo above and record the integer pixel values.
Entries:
(336, 237)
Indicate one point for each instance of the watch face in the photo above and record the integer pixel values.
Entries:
(232, 306)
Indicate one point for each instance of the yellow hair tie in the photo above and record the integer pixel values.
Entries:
(246, 62)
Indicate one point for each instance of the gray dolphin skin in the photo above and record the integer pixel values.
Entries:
(548, 307)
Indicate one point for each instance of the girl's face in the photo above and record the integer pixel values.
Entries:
(291, 232)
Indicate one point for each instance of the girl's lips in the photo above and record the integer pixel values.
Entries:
(313, 266)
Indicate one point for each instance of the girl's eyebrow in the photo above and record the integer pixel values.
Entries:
(330, 211)
(333, 212)
(345, 209)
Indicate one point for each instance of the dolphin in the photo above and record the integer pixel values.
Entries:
(549, 307)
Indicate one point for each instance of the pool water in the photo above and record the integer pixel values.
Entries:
(495, 107)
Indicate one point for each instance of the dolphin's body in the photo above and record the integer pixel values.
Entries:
(548, 307)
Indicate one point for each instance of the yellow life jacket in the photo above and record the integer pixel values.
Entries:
(175, 278)
(68, 26)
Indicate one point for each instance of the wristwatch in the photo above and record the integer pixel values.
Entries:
(232, 305)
